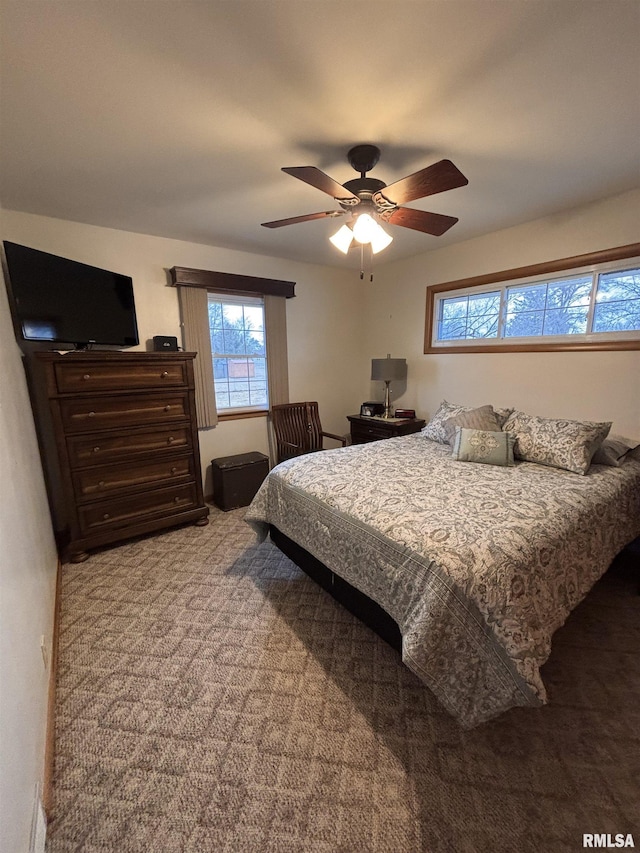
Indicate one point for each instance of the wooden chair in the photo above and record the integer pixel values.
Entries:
(298, 430)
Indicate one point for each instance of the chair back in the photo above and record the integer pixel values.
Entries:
(297, 429)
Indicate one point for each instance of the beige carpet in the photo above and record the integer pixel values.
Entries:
(212, 699)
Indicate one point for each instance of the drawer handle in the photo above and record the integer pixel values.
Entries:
(167, 408)
(106, 516)
(92, 414)
(170, 440)
(101, 484)
(176, 500)
(87, 376)
(165, 374)
(96, 450)
(173, 470)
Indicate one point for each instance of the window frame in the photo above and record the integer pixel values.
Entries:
(607, 260)
(234, 412)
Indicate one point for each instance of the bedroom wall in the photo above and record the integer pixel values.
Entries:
(27, 591)
(324, 325)
(589, 385)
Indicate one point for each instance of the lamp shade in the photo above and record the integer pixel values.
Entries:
(342, 239)
(367, 230)
(388, 369)
(364, 228)
(380, 241)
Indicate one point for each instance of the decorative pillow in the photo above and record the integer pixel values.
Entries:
(481, 418)
(614, 451)
(434, 430)
(556, 442)
(476, 445)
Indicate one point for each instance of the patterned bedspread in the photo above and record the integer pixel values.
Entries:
(478, 564)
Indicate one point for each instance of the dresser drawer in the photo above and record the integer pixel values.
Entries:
(130, 445)
(124, 512)
(369, 433)
(80, 415)
(367, 429)
(94, 482)
(75, 378)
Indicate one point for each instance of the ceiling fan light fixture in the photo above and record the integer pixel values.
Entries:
(380, 240)
(342, 239)
(367, 230)
(364, 228)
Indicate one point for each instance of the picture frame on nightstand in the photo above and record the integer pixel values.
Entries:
(370, 409)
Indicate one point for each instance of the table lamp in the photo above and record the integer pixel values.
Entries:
(387, 370)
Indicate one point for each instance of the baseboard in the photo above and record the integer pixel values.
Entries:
(50, 737)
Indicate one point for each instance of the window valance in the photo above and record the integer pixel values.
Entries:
(226, 282)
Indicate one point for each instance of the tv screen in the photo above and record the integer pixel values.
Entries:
(64, 301)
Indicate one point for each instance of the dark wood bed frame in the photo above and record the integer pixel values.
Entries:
(356, 602)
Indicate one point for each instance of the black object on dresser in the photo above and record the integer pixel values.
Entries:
(119, 440)
(236, 479)
(373, 429)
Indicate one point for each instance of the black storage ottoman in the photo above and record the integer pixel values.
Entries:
(236, 479)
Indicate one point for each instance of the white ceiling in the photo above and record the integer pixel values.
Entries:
(173, 118)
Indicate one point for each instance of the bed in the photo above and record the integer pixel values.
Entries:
(477, 565)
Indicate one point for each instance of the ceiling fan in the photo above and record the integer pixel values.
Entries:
(371, 196)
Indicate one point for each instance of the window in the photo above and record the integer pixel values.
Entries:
(471, 316)
(238, 350)
(237, 324)
(591, 306)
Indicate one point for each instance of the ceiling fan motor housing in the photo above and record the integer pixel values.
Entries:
(364, 188)
(363, 157)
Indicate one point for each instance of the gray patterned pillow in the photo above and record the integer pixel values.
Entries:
(556, 442)
(483, 418)
(434, 430)
(476, 445)
(614, 451)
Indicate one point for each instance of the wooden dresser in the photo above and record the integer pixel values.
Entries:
(120, 447)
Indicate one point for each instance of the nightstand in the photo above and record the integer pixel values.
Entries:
(373, 429)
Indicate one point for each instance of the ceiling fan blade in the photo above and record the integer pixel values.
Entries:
(434, 179)
(278, 223)
(318, 179)
(421, 220)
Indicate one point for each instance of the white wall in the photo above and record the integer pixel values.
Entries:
(28, 563)
(589, 385)
(324, 319)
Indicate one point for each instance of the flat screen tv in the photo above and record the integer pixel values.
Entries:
(66, 302)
